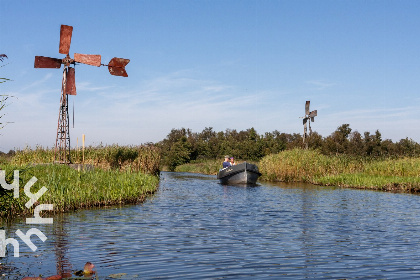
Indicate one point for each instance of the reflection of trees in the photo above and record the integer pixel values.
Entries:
(61, 246)
(311, 228)
(308, 224)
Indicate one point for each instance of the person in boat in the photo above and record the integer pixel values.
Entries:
(232, 161)
(226, 163)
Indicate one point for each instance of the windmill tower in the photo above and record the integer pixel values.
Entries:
(308, 118)
(116, 67)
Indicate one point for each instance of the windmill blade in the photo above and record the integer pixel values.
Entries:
(312, 119)
(65, 39)
(2, 56)
(305, 120)
(117, 71)
(314, 113)
(307, 107)
(90, 59)
(304, 127)
(71, 81)
(116, 66)
(47, 62)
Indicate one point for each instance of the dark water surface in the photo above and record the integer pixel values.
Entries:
(195, 228)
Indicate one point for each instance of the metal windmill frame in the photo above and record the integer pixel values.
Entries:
(116, 67)
(308, 118)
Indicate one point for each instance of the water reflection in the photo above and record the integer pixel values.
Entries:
(61, 246)
(195, 228)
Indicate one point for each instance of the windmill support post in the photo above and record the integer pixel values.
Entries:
(62, 143)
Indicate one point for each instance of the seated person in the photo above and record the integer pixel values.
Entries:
(232, 161)
(226, 163)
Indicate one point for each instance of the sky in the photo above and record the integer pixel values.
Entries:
(224, 64)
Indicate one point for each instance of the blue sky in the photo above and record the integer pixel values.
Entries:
(220, 64)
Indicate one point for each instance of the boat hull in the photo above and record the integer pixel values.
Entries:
(244, 173)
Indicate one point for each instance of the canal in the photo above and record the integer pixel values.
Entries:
(195, 228)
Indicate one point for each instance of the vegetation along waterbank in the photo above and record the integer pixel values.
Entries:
(344, 158)
(298, 165)
(311, 166)
(121, 175)
(144, 158)
(124, 174)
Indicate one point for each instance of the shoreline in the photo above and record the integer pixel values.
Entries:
(71, 190)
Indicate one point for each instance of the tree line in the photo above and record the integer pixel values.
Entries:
(183, 145)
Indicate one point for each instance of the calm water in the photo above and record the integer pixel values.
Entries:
(195, 228)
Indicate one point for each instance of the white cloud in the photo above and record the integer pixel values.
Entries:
(87, 86)
(320, 84)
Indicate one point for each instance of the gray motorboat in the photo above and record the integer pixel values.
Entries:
(243, 173)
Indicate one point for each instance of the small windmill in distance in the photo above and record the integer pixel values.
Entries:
(116, 67)
(309, 117)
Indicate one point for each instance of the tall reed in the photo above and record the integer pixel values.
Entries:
(299, 165)
(144, 158)
(311, 166)
(210, 167)
(403, 167)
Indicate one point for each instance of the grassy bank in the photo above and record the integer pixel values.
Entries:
(310, 166)
(69, 189)
(121, 175)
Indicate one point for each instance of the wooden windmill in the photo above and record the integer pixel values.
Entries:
(116, 67)
(308, 118)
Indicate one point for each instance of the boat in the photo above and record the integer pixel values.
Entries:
(243, 173)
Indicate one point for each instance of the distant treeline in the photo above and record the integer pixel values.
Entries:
(182, 145)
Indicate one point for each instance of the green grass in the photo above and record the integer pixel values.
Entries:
(69, 189)
(122, 174)
(311, 166)
(210, 167)
(366, 181)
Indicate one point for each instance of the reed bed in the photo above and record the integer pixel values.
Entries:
(376, 182)
(210, 167)
(299, 165)
(145, 158)
(404, 167)
(69, 189)
(311, 166)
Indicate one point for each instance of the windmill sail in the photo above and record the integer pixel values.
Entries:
(47, 62)
(90, 59)
(65, 39)
(71, 81)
